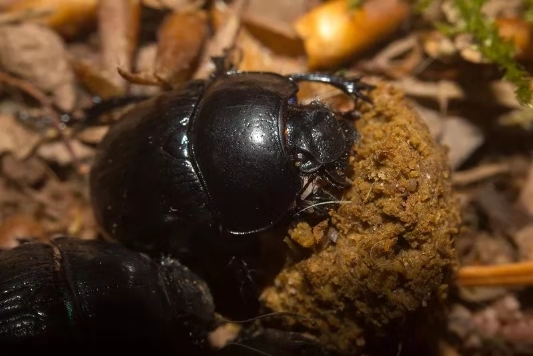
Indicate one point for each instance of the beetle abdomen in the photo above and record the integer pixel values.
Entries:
(73, 292)
(237, 139)
(30, 294)
(145, 190)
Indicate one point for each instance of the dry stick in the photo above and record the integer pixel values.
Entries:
(479, 173)
(48, 107)
(517, 274)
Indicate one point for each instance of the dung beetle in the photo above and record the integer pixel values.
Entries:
(231, 154)
(198, 172)
(95, 294)
(72, 296)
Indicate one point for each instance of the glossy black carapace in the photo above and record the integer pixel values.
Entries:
(230, 155)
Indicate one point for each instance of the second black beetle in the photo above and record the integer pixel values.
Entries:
(231, 154)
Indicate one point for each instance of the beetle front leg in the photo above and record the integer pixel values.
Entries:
(351, 87)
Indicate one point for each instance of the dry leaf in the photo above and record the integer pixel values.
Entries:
(271, 23)
(37, 54)
(526, 195)
(19, 227)
(118, 26)
(520, 32)
(169, 4)
(25, 172)
(144, 63)
(15, 138)
(95, 80)
(57, 152)
(227, 24)
(462, 139)
(181, 38)
(68, 17)
(92, 135)
(333, 33)
(257, 57)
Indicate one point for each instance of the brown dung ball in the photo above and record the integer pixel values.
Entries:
(392, 257)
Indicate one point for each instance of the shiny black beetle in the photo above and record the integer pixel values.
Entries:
(71, 296)
(230, 155)
(97, 295)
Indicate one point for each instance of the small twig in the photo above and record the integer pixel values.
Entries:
(48, 107)
(479, 173)
(223, 40)
(520, 273)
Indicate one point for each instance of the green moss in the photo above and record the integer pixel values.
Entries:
(421, 5)
(493, 47)
(528, 14)
(490, 44)
(355, 4)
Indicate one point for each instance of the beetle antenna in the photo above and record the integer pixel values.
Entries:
(296, 315)
(323, 203)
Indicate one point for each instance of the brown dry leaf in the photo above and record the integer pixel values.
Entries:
(57, 199)
(271, 23)
(462, 139)
(95, 80)
(15, 138)
(520, 32)
(57, 152)
(25, 172)
(37, 54)
(524, 241)
(437, 45)
(81, 221)
(118, 26)
(181, 38)
(19, 227)
(144, 63)
(526, 195)
(333, 33)
(170, 4)
(92, 135)
(280, 11)
(12, 201)
(68, 17)
(432, 118)
(257, 57)
(227, 25)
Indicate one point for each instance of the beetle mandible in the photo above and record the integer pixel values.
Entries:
(230, 155)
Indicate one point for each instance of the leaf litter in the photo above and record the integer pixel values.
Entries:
(64, 57)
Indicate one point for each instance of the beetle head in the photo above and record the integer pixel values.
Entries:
(319, 140)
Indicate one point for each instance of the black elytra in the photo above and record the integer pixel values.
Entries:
(229, 154)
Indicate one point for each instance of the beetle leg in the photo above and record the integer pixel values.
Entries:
(336, 179)
(225, 64)
(351, 87)
(320, 201)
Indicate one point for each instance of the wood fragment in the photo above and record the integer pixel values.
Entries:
(479, 173)
(222, 41)
(67, 17)
(333, 33)
(181, 38)
(500, 275)
(526, 195)
(118, 26)
(502, 215)
(501, 92)
(48, 107)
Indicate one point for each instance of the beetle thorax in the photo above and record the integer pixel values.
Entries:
(316, 137)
